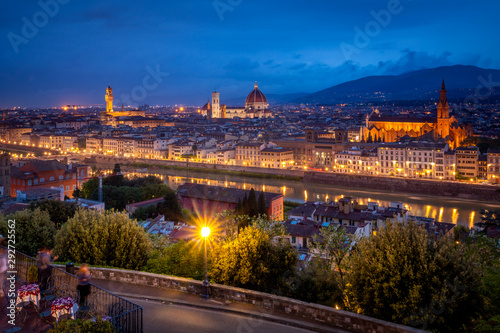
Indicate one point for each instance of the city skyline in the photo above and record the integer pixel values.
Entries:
(188, 50)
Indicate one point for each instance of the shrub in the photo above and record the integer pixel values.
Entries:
(84, 326)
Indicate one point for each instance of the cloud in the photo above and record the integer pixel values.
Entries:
(241, 64)
(413, 60)
(298, 66)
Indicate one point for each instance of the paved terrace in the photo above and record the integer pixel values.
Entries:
(167, 310)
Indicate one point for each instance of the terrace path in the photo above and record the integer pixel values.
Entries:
(173, 311)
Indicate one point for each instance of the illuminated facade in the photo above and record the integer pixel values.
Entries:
(380, 128)
(107, 117)
(256, 106)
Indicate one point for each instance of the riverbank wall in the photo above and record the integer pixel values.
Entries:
(391, 184)
(137, 163)
(412, 186)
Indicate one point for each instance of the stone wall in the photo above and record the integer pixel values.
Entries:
(326, 315)
(413, 186)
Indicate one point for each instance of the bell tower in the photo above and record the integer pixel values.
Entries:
(109, 99)
(216, 112)
(443, 114)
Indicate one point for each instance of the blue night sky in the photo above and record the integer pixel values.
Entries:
(288, 46)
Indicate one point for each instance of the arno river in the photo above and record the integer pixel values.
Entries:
(443, 209)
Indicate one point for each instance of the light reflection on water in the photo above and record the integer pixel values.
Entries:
(442, 209)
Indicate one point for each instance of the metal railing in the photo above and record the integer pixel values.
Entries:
(125, 315)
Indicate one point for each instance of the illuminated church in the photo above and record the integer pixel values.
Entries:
(394, 128)
(256, 106)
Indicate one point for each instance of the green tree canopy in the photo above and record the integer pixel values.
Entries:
(109, 238)
(59, 211)
(252, 260)
(151, 191)
(144, 213)
(170, 207)
(179, 259)
(34, 230)
(89, 187)
(403, 276)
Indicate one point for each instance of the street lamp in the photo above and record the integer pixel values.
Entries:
(205, 232)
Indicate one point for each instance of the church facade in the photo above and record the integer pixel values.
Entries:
(395, 128)
(256, 106)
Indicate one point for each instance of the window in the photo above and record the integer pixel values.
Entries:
(67, 187)
(293, 240)
(29, 182)
(51, 178)
(35, 182)
(74, 176)
(61, 177)
(42, 180)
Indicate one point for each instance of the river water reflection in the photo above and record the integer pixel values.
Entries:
(441, 208)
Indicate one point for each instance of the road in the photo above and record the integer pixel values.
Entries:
(168, 317)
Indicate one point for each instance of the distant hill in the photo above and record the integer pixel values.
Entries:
(271, 99)
(461, 81)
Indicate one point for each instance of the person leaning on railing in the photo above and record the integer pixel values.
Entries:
(83, 287)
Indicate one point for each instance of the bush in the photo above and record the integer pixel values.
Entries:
(179, 259)
(253, 260)
(83, 326)
(109, 238)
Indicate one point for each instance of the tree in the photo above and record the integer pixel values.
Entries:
(253, 209)
(238, 208)
(271, 228)
(251, 260)
(106, 239)
(315, 283)
(151, 191)
(117, 169)
(179, 259)
(245, 207)
(89, 187)
(144, 213)
(118, 197)
(77, 193)
(170, 207)
(59, 211)
(262, 206)
(404, 276)
(333, 243)
(34, 230)
(489, 219)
